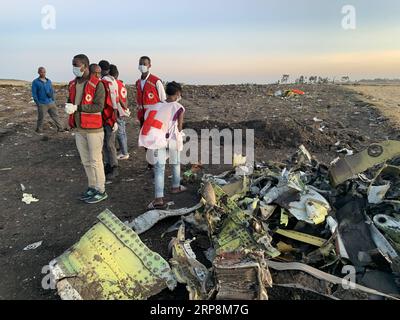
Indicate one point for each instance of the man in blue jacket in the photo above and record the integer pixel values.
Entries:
(43, 95)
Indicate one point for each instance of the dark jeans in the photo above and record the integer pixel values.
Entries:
(52, 110)
(109, 149)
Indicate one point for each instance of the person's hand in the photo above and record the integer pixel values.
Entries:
(115, 127)
(70, 108)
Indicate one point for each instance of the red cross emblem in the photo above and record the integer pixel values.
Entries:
(88, 98)
(151, 122)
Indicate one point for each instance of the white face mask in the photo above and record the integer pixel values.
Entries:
(77, 72)
(179, 99)
(143, 68)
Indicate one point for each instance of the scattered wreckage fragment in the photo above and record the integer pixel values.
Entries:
(350, 166)
(188, 270)
(239, 215)
(389, 226)
(239, 277)
(147, 220)
(110, 262)
(295, 266)
(294, 224)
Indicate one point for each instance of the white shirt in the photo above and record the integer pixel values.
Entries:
(153, 134)
(113, 90)
(160, 88)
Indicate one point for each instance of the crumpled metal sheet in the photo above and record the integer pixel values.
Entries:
(383, 245)
(354, 231)
(187, 269)
(390, 226)
(302, 237)
(350, 166)
(312, 208)
(303, 281)
(110, 262)
(376, 194)
(147, 220)
(236, 189)
(240, 230)
(240, 278)
(296, 266)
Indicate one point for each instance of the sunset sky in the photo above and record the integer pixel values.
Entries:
(204, 42)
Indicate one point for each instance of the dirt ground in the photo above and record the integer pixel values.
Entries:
(49, 167)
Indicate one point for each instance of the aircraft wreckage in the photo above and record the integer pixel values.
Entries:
(296, 224)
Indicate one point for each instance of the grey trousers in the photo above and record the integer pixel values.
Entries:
(52, 110)
(109, 149)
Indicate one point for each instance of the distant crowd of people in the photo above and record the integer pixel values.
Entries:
(97, 108)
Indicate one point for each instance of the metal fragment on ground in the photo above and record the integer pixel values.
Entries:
(348, 167)
(28, 198)
(302, 237)
(295, 266)
(240, 278)
(376, 194)
(312, 208)
(147, 220)
(385, 247)
(266, 210)
(389, 226)
(187, 269)
(33, 246)
(110, 262)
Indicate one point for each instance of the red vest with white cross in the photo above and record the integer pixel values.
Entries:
(148, 96)
(88, 120)
(109, 117)
(122, 94)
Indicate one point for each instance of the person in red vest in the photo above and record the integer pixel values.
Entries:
(95, 70)
(123, 114)
(149, 91)
(110, 116)
(85, 106)
(149, 88)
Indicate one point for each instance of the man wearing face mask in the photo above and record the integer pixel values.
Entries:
(149, 91)
(85, 106)
(149, 88)
(110, 116)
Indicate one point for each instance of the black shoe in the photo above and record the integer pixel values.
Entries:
(113, 174)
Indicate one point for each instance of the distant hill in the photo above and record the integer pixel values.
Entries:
(13, 82)
(23, 83)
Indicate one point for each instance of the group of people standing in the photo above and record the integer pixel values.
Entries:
(98, 110)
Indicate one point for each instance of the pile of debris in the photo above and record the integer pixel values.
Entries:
(333, 231)
(288, 93)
